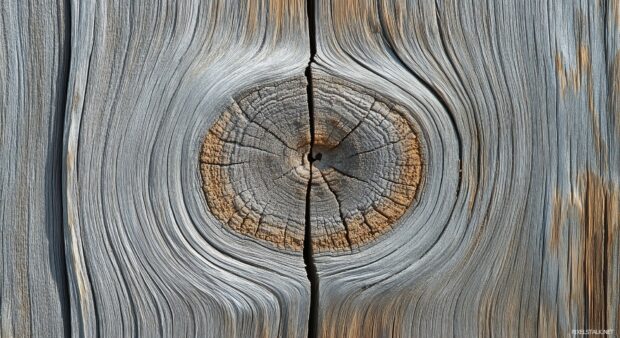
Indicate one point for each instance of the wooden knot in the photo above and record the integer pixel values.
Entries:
(364, 165)
(369, 168)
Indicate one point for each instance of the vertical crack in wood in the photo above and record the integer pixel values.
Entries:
(308, 252)
(63, 93)
(309, 261)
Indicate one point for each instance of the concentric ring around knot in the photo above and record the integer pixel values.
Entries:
(364, 170)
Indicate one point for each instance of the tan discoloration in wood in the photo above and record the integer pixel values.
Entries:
(273, 233)
(580, 80)
(359, 230)
(322, 137)
(380, 222)
(583, 69)
(560, 72)
(557, 219)
(583, 59)
(283, 15)
(579, 70)
(221, 203)
(594, 209)
(599, 221)
(286, 14)
(585, 74)
(615, 89)
(548, 323)
(252, 11)
(333, 242)
(215, 180)
(294, 241)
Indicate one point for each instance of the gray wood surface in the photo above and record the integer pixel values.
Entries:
(516, 231)
(343, 168)
(34, 57)
(146, 83)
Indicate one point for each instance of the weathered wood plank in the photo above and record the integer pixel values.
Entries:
(147, 80)
(516, 228)
(381, 168)
(33, 65)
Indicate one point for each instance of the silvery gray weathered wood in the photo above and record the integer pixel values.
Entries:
(147, 80)
(516, 230)
(468, 182)
(33, 75)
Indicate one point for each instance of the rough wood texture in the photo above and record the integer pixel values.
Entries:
(147, 81)
(516, 231)
(367, 168)
(254, 164)
(370, 165)
(33, 76)
(366, 165)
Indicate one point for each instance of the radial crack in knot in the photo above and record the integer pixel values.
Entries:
(367, 165)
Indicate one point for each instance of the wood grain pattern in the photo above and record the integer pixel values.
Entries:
(254, 164)
(272, 168)
(34, 38)
(147, 80)
(370, 166)
(522, 98)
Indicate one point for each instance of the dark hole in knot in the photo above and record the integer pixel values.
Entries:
(316, 157)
